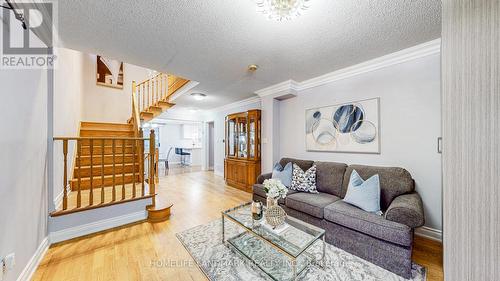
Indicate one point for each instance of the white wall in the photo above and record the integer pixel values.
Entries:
(23, 165)
(410, 123)
(68, 109)
(171, 136)
(218, 117)
(106, 104)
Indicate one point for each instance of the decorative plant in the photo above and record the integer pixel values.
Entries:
(275, 189)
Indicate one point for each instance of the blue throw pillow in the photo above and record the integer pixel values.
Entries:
(364, 194)
(283, 174)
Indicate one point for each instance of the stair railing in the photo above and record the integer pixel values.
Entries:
(107, 155)
(152, 91)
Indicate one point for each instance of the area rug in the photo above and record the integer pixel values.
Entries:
(221, 263)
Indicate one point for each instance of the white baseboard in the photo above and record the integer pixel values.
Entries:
(431, 233)
(33, 263)
(97, 226)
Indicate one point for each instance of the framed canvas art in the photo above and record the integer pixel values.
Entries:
(109, 72)
(349, 127)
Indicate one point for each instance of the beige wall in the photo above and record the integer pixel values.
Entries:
(105, 104)
(23, 165)
(68, 109)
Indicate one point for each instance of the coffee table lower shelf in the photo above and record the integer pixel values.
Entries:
(271, 261)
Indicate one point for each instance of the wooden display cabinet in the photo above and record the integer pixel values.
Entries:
(242, 140)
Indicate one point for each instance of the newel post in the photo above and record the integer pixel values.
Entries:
(152, 150)
(134, 87)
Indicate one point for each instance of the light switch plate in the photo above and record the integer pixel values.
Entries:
(1, 270)
(10, 261)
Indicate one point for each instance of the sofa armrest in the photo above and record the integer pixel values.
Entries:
(407, 209)
(261, 178)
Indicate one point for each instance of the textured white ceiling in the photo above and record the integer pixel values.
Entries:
(212, 42)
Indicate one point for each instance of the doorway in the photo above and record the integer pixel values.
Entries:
(211, 146)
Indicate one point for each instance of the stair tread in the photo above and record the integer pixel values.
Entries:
(160, 205)
(117, 154)
(98, 177)
(106, 165)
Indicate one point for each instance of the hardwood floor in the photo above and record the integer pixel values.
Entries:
(133, 252)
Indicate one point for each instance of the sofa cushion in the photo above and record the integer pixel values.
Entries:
(371, 224)
(393, 181)
(329, 177)
(284, 174)
(259, 190)
(310, 203)
(364, 194)
(303, 164)
(304, 181)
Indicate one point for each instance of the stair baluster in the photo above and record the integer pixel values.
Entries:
(91, 193)
(123, 169)
(65, 181)
(79, 155)
(102, 171)
(134, 159)
(113, 151)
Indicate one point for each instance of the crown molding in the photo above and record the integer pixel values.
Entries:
(412, 53)
(237, 104)
(287, 87)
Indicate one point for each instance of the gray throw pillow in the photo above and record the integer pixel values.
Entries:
(283, 174)
(304, 181)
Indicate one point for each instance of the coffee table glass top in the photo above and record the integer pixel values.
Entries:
(293, 240)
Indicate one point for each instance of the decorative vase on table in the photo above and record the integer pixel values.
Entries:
(257, 210)
(271, 202)
(274, 190)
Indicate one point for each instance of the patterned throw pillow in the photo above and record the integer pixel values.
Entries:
(304, 181)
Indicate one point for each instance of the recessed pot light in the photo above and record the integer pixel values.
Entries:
(198, 96)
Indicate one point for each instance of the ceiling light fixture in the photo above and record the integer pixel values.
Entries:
(282, 9)
(253, 67)
(198, 96)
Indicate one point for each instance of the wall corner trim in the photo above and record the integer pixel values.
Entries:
(35, 260)
(430, 233)
(408, 54)
(93, 227)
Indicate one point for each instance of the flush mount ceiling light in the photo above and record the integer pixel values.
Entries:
(253, 67)
(282, 9)
(198, 96)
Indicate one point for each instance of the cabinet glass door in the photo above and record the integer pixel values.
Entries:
(231, 137)
(251, 136)
(242, 137)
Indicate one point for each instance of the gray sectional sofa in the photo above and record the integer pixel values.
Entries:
(385, 240)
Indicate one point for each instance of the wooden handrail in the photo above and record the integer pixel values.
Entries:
(99, 138)
(136, 119)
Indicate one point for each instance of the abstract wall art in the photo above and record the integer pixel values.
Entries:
(349, 127)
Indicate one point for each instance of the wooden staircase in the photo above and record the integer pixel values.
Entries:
(92, 155)
(153, 95)
(111, 165)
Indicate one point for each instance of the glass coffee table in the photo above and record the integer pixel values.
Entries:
(282, 254)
